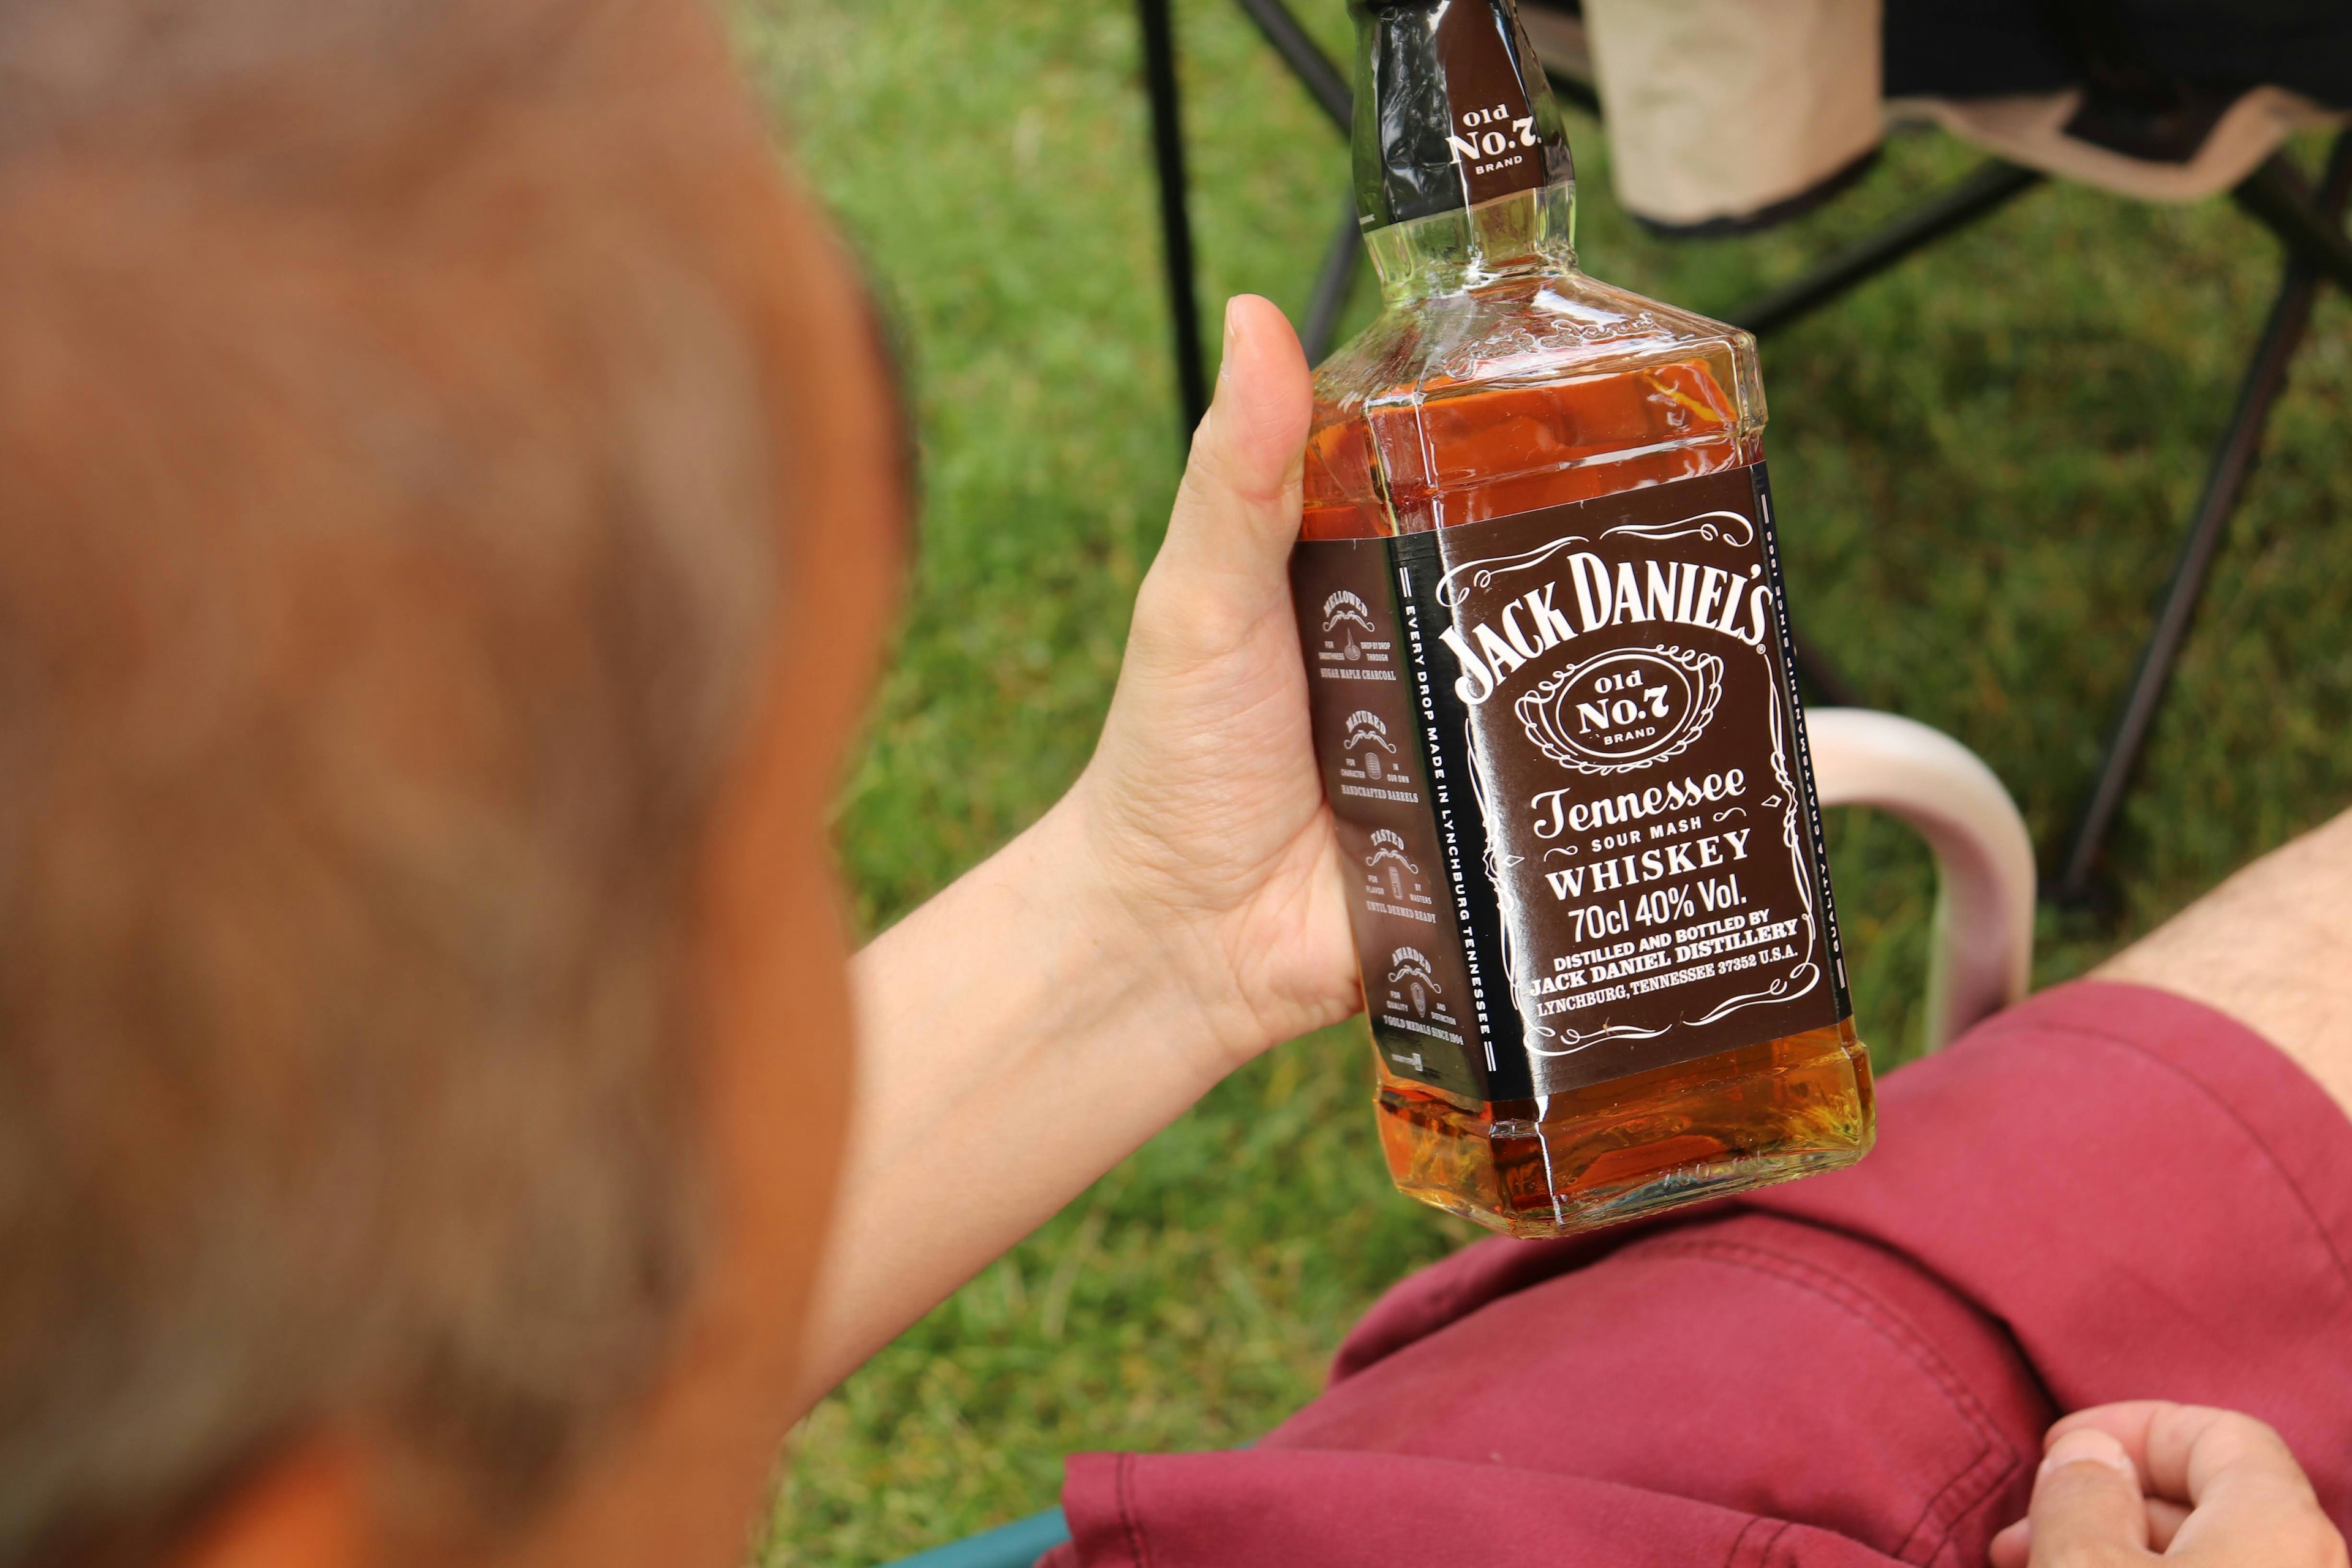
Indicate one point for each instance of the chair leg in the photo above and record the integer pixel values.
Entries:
(2311, 229)
(2233, 461)
(1984, 192)
(1318, 72)
(1175, 214)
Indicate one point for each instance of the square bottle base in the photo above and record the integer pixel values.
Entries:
(1635, 1146)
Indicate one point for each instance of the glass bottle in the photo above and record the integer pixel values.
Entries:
(1544, 1010)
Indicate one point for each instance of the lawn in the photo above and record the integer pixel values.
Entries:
(1982, 463)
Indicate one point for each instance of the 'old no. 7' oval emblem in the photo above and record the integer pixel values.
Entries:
(1624, 708)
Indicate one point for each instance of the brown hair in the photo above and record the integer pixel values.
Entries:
(384, 563)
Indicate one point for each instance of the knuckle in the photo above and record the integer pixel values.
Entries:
(2238, 1424)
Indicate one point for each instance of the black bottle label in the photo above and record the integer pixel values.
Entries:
(1491, 128)
(1572, 789)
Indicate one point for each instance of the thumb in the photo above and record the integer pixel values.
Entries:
(2087, 1504)
(1238, 509)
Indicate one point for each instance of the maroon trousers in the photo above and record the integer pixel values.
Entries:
(2104, 1194)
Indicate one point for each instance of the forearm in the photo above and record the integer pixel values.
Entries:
(1181, 910)
(2272, 947)
(1018, 1035)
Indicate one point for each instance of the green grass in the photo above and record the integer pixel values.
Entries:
(1982, 462)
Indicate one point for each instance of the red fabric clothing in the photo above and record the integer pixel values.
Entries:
(2106, 1192)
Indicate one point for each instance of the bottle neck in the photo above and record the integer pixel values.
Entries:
(1522, 234)
(1463, 170)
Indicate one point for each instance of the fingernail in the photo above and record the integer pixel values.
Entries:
(2089, 1442)
(1233, 332)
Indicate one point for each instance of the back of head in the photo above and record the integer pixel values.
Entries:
(384, 472)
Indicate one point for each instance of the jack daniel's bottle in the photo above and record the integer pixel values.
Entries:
(1541, 606)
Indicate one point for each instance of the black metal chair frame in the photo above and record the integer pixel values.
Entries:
(2308, 223)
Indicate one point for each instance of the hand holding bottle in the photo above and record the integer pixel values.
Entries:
(2150, 1480)
(1202, 802)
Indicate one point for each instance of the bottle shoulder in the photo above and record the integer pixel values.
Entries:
(1532, 390)
(1550, 326)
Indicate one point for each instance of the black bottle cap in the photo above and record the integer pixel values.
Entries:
(1452, 109)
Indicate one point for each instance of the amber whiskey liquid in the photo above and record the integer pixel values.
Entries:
(1497, 382)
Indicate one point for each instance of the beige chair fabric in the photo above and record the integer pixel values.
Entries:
(1718, 110)
(2032, 132)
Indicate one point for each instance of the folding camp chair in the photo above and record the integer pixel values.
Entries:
(2073, 87)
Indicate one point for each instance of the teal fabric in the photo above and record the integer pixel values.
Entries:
(1016, 1545)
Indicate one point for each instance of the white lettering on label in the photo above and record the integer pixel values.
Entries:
(1490, 652)
(1621, 871)
(1553, 817)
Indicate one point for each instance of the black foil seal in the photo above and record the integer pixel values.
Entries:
(1452, 109)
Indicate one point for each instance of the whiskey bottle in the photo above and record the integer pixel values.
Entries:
(1551, 680)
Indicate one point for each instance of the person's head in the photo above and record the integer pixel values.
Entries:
(446, 509)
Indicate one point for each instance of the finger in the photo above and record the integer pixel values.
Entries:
(2086, 1499)
(2213, 1477)
(1238, 508)
(2165, 1518)
(2169, 1442)
(2012, 1546)
(2128, 1422)
(2193, 1451)
(2241, 1481)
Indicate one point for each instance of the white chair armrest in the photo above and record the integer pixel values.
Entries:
(1983, 942)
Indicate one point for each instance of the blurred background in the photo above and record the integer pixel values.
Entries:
(1982, 461)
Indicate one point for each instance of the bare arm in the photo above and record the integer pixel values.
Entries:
(2272, 947)
(1175, 914)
